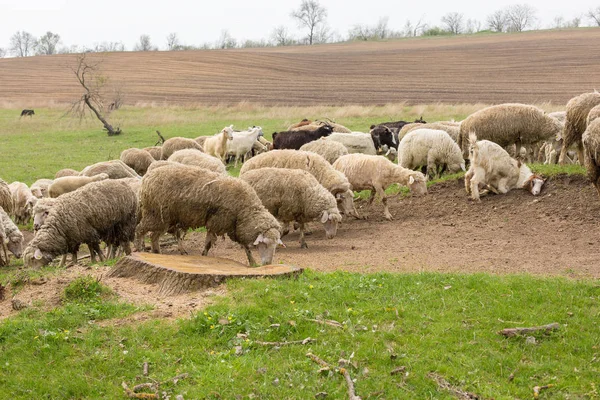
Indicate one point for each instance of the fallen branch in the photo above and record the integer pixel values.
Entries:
(149, 385)
(175, 379)
(145, 368)
(510, 332)
(538, 389)
(280, 344)
(132, 395)
(349, 382)
(444, 384)
(329, 322)
(398, 370)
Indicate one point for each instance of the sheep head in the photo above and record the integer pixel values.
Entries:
(417, 184)
(15, 245)
(35, 258)
(266, 243)
(228, 131)
(330, 220)
(534, 184)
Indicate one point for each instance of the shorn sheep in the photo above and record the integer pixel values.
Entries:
(68, 184)
(493, 167)
(328, 149)
(293, 195)
(577, 109)
(137, 159)
(216, 146)
(375, 173)
(39, 188)
(332, 180)
(173, 144)
(66, 172)
(103, 210)
(507, 125)
(23, 202)
(11, 239)
(198, 159)
(355, 142)
(155, 151)
(224, 205)
(591, 145)
(6, 200)
(430, 148)
(115, 169)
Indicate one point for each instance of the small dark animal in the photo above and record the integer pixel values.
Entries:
(397, 125)
(296, 139)
(27, 113)
(382, 135)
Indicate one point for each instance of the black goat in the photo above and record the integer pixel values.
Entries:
(397, 125)
(296, 139)
(27, 112)
(382, 135)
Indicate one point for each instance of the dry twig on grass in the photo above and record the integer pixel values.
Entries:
(538, 389)
(280, 344)
(444, 384)
(349, 383)
(329, 322)
(132, 395)
(510, 332)
(145, 368)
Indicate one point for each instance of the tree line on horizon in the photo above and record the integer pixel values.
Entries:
(311, 17)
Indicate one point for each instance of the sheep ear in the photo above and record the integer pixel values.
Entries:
(411, 180)
(463, 167)
(324, 217)
(37, 254)
(259, 239)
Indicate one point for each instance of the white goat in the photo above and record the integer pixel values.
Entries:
(243, 142)
(217, 145)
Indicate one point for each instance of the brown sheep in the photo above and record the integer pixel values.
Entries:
(591, 144)
(171, 145)
(155, 151)
(578, 109)
(137, 159)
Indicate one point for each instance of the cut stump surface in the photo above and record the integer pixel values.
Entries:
(178, 274)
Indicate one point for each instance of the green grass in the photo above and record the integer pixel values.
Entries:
(425, 322)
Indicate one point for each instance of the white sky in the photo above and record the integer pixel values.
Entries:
(85, 23)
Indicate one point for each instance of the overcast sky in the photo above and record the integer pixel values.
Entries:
(197, 22)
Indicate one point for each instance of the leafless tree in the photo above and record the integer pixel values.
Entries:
(558, 22)
(520, 17)
(144, 44)
(360, 32)
(498, 21)
(594, 15)
(107, 47)
(411, 30)
(2, 52)
(226, 41)
(575, 22)
(472, 26)
(453, 22)
(22, 44)
(310, 15)
(281, 37)
(88, 75)
(323, 34)
(381, 30)
(47, 44)
(173, 42)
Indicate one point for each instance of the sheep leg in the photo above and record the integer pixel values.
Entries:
(431, 167)
(4, 261)
(563, 151)
(63, 260)
(154, 242)
(475, 183)
(251, 260)
(211, 238)
(126, 248)
(372, 196)
(382, 196)
(580, 154)
(179, 238)
(468, 177)
(303, 244)
(518, 150)
(286, 229)
(96, 248)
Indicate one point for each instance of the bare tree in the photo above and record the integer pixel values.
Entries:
(106, 47)
(144, 44)
(2, 52)
(453, 22)
(89, 77)
(310, 15)
(520, 17)
(472, 26)
(226, 41)
(381, 30)
(360, 32)
(558, 22)
(173, 42)
(47, 44)
(411, 30)
(498, 21)
(594, 15)
(22, 44)
(575, 22)
(281, 37)
(323, 34)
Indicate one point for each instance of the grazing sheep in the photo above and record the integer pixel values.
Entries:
(328, 149)
(432, 149)
(450, 127)
(243, 142)
(66, 172)
(313, 126)
(492, 166)
(293, 195)
(41, 210)
(173, 144)
(296, 139)
(6, 199)
(265, 143)
(509, 124)
(593, 114)
(591, 144)
(115, 169)
(11, 239)
(198, 159)
(331, 179)
(39, 188)
(68, 184)
(137, 159)
(578, 109)
(224, 205)
(355, 142)
(299, 124)
(217, 145)
(561, 116)
(98, 211)
(159, 164)
(23, 202)
(258, 148)
(375, 173)
(155, 151)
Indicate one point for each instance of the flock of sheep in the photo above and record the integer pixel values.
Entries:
(308, 173)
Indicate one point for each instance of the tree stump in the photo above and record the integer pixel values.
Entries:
(177, 274)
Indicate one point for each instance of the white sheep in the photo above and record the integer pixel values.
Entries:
(431, 148)
(294, 195)
(217, 145)
(376, 173)
(328, 149)
(39, 188)
(11, 239)
(492, 166)
(355, 142)
(68, 184)
(23, 201)
(198, 159)
(243, 142)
